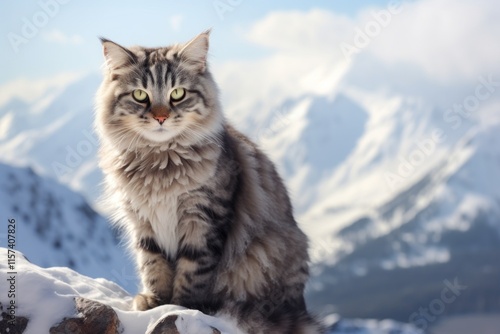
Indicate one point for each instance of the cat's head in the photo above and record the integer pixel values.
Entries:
(151, 96)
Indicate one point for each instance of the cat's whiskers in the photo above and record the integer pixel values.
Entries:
(200, 135)
(133, 142)
(129, 136)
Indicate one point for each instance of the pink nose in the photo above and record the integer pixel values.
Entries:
(160, 119)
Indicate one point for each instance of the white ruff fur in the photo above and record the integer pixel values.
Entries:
(163, 219)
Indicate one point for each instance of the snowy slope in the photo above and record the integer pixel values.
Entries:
(56, 227)
(55, 288)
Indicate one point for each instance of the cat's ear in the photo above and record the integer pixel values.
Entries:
(116, 55)
(195, 51)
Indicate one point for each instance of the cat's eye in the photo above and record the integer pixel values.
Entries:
(177, 94)
(140, 96)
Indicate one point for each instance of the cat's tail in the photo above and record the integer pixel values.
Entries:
(278, 321)
(295, 323)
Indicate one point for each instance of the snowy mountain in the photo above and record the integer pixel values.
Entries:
(69, 285)
(443, 228)
(55, 226)
(396, 193)
(54, 135)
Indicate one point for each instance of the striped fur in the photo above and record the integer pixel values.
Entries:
(207, 216)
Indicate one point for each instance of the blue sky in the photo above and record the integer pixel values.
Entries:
(67, 41)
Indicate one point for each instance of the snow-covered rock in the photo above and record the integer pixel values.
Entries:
(90, 317)
(60, 300)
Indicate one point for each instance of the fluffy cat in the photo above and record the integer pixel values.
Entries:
(207, 216)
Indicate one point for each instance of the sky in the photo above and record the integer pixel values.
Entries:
(426, 48)
(45, 37)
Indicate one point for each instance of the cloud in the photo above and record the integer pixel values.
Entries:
(448, 39)
(175, 21)
(57, 36)
(316, 31)
(30, 90)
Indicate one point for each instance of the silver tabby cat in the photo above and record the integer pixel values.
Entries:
(206, 213)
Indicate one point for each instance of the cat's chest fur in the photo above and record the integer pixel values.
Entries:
(163, 219)
(156, 205)
(152, 185)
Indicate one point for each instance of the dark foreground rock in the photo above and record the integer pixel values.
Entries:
(11, 325)
(90, 317)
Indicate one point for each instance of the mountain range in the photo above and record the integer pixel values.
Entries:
(399, 196)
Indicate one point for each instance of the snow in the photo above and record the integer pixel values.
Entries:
(191, 321)
(421, 256)
(45, 296)
(358, 326)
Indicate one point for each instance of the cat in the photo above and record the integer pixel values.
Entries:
(207, 216)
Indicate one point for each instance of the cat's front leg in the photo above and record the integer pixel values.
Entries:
(202, 232)
(156, 275)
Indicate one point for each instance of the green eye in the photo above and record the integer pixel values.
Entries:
(177, 94)
(140, 96)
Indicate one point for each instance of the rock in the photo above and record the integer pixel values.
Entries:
(92, 317)
(167, 325)
(8, 325)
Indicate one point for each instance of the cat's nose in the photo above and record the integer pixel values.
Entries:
(160, 119)
(160, 113)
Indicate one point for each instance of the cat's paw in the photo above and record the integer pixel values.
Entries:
(145, 301)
